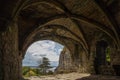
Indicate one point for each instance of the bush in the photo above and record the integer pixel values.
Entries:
(27, 71)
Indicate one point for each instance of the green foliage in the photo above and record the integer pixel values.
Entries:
(30, 73)
(42, 70)
(27, 71)
(108, 54)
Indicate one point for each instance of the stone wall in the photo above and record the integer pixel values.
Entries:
(115, 57)
(1, 54)
(65, 62)
(77, 61)
(81, 60)
(116, 61)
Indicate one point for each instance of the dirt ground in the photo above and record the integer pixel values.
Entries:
(75, 76)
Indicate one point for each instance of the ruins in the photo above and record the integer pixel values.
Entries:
(87, 28)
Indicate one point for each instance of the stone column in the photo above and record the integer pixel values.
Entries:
(1, 58)
(76, 55)
(9, 54)
(92, 57)
(20, 65)
(80, 59)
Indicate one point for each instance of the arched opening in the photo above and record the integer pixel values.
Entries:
(100, 58)
(103, 59)
(59, 19)
(35, 54)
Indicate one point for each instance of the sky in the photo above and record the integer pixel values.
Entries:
(39, 49)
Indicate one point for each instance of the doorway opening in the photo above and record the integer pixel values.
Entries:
(102, 55)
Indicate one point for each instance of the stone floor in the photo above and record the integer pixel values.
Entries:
(74, 76)
(100, 77)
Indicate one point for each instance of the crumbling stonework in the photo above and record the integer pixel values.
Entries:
(66, 64)
(80, 22)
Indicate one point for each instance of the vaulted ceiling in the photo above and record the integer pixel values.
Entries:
(69, 21)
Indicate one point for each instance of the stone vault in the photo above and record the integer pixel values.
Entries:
(78, 24)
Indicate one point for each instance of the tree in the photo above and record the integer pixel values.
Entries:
(45, 65)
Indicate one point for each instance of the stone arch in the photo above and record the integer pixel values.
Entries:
(39, 34)
(84, 19)
(45, 38)
(58, 5)
(103, 15)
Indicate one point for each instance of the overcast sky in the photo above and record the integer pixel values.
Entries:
(46, 48)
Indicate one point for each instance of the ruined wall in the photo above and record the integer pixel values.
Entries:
(115, 55)
(75, 60)
(65, 62)
(115, 60)
(81, 60)
(84, 64)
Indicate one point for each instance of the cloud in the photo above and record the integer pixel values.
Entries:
(46, 48)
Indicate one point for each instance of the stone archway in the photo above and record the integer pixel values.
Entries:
(83, 17)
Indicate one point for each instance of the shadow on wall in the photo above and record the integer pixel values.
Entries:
(100, 77)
